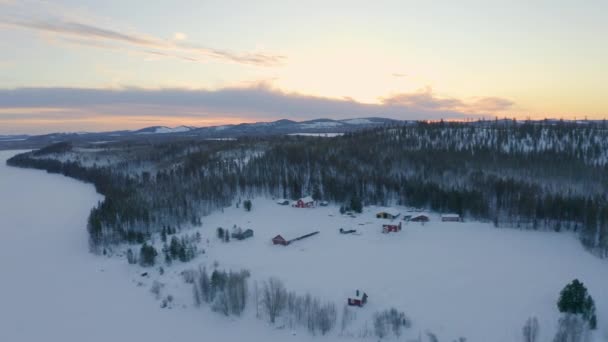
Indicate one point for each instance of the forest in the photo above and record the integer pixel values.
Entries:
(526, 175)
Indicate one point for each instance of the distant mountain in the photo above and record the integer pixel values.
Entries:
(279, 127)
(163, 130)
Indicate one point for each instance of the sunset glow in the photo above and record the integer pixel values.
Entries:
(399, 59)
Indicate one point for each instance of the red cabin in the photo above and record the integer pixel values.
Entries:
(306, 202)
(359, 300)
(279, 240)
(388, 228)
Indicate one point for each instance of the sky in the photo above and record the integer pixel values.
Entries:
(87, 65)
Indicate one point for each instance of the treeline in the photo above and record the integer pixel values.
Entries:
(179, 188)
(551, 175)
(531, 176)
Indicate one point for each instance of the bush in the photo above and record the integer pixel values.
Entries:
(390, 321)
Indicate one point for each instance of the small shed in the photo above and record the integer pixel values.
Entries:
(388, 213)
(420, 218)
(304, 202)
(279, 240)
(388, 228)
(242, 235)
(359, 299)
(282, 201)
(451, 218)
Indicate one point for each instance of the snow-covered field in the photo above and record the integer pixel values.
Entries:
(454, 279)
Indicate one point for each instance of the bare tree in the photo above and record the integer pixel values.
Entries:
(531, 330)
(432, 337)
(571, 328)
(390, 320)
(274, 298)
(347, 317)
(326, 317)
(221, 303)
(256, 299)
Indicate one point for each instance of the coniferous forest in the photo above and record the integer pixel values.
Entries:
(526, 175)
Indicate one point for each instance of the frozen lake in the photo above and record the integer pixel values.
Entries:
(52, 288)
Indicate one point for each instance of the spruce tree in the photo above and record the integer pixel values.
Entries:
(574, 299)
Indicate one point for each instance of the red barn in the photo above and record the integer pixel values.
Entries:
(305, 202)
(359, 300)
(387, 228)
(279, 240)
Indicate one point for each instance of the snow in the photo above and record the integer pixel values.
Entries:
(307, 199)
(179, 129)
(166, 130)
(390, 211)
(320, 124)
(9, 140)
(324, 135)
(454, 279)
(358, 121)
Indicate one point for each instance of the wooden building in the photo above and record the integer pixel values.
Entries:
(305, 202)
(388, 228)
(359, 299)
(388, 213)
(451, 218)
(420, 218)
(279, 240)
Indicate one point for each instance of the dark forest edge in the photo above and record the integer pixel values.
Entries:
(529, 176)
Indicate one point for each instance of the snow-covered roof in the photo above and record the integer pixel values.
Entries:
(420, 214)
(450, 215)
(282, 200)
(307, 199)
(358, 295)
(390, 211)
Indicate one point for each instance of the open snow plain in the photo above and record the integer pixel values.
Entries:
(454, 279)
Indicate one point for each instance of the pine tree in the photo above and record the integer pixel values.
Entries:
(247, 205)
(147, 255)
(574, 299)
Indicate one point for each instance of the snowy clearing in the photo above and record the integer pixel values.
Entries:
(454, 279)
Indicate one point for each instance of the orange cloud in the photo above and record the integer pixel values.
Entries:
(426, 99)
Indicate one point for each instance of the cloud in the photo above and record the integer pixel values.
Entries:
(246, 104)
(426, 99)
(179, 36)
(59, 23)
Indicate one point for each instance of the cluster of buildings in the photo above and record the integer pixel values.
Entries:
(360, 298)
(304, 202)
